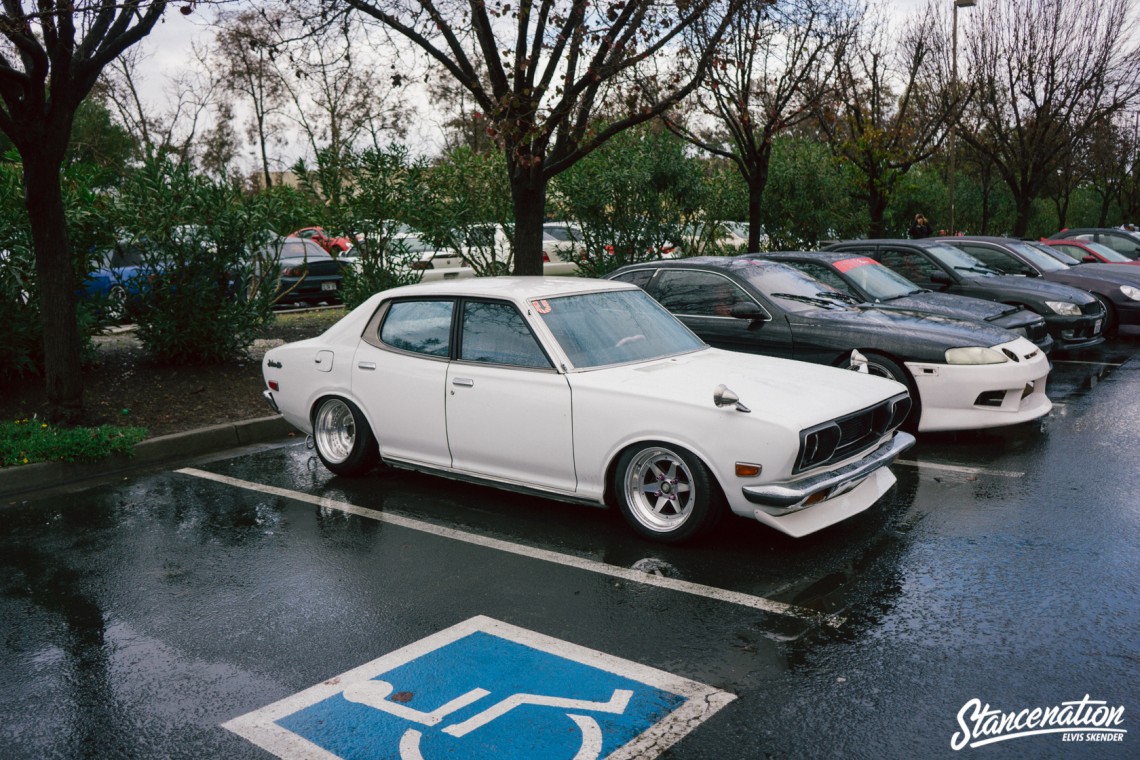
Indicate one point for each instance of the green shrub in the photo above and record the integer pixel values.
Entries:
(30, 441)
(199, 299)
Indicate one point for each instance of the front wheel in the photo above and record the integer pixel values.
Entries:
(343, 439)
(665, 493)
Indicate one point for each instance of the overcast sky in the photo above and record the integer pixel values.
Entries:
(168, 47)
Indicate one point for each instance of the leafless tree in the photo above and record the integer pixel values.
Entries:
(175, 128)
(51, 55)
(892, 105)
(538, 71)
(768, 75)
(1047, 73)
(247, 46)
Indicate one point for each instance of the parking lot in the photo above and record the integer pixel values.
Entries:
(246, 606)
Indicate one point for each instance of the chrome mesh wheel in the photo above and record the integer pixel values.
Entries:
(334, 431)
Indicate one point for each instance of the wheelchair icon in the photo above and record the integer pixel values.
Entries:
(375, 693)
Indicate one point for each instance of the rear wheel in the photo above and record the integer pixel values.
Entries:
(665, 493)
(343, 439)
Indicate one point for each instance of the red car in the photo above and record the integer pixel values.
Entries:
(333, 245)
(1088, 252)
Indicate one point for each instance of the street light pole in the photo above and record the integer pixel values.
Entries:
(954, 124)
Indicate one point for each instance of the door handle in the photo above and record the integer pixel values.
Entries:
(366, 365)
(463, 382)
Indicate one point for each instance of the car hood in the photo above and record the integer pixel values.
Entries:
(929, 329)
(1118, 274)
(1025, 287)
(950, 305)
(782, 391)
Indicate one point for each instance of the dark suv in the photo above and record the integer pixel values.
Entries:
(1075, 319)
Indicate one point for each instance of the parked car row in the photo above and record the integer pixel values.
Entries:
(770, 386)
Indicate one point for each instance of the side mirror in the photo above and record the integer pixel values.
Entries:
(941, 278)
(1090, 259)
(748, 310)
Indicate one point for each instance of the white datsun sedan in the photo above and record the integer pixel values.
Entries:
(589, 391)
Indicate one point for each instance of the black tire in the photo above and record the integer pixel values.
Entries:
(666, 493)
(884, 366)
(117, 304)
(343, 440)
(1111, 320)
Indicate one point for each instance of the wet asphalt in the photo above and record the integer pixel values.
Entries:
(138, 616)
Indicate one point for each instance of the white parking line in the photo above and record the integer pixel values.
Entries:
(567, 560)
(1096, 364)
(961, 470)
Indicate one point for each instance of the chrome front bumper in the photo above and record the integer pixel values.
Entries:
(779, 499)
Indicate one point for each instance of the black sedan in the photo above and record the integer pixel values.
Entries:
(1074, 317)
(871, 282)
(1116, 285)
(306, 273)
(961, 374)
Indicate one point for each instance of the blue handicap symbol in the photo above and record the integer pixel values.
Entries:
(484, 696)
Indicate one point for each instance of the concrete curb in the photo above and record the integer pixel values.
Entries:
(153, 451)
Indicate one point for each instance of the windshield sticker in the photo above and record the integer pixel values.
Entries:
(847, 265)
(542, 307)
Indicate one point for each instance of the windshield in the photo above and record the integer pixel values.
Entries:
(1060, 254)
(1038, 258)
(1107, 253)
(617, 327)
(793, 289)
(562, 234)
(880, 283)
(959, 260)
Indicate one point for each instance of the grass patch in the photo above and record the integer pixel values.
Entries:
(29, 441)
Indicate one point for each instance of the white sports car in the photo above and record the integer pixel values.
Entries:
(589, 391)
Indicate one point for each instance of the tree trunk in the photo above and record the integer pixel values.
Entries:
(55, 277)
(757, 182)
(1023, 202)
(528, 192)
(876, 210)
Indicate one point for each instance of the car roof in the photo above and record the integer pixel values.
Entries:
(520, 288)
(1000, 239)
(826, 256)
(729, 264)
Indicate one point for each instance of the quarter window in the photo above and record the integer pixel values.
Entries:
(420, 326)
(496, 333)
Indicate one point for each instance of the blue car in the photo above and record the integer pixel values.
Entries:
(119, 276)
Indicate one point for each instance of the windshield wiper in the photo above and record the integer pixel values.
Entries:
(806, 299)
(979, 270)
(838, 296)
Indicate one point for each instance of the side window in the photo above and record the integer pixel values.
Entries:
(1075, 251)
(639, 277)
(909, 264)
(496, 333)
(1000, 260)
(1119, 243)
(420, 326)
(823, 273)
(702, 294)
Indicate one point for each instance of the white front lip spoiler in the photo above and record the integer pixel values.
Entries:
(948, 392)
(778, 499)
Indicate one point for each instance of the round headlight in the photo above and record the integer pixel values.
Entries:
(1130, 292)
(974, 355)
(1064, 308)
